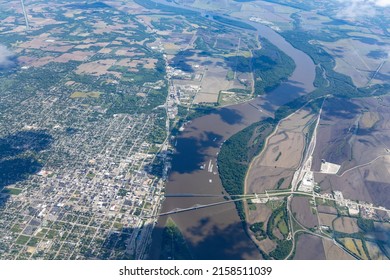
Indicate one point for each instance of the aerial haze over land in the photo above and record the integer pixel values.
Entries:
(194, 129)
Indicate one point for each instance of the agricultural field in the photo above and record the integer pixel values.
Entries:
(346, 224)
(304, 212)
(334, 252)
(364, 58)
(361, 148)
(327, 219)
(309, 247)
(276, 16)
(282, 154)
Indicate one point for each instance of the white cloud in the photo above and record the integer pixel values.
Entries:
(5, 57)
(382, 3)
(353, 9)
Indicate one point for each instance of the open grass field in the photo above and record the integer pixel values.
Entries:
(355, 246)
(11, 191)
(79, 94)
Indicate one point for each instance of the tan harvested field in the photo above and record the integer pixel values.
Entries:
(150, 63)
(128, 62)
(35, 43)
(309, 247)
(26, 60)
(58, 48)
(282, 154)
(83, 46)
(20, 28)
(278, 15)
(327, 219)
(333, 252)
(9, 19)
(96, 68)
(267, 178)
(102, 27)
(284, 149)
(44, 21)
(353, 59)
(267, 245)
(352, 186)
(147, 20)
(45, 43)
(369, 119)
(377, 171)
(172, 48)
(69, 14)
(76, 55)
(358, 141)
(302, 211)
(105, 50)
(126, 52)
(204, 97)
(42, 61)
(214, 80)
(70, 83)
(347, 225)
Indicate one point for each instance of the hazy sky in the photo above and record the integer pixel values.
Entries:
(353, 9)
(5, 57)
